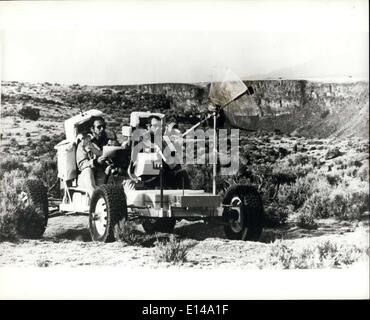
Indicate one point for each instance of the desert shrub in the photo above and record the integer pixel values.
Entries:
(46, 145)
(29, 142)
(346, 254)
(7, 113)
(328, 254)
(46, 171)
(8, 225)
(28, 158)
(44, 138)
(356, 163)
(324, 114)
(349, 204)
(281, 177)
(363, 173)
(343, 202)
(10, 187)
(295, 194)
(42, 262)
(129, 235)
(352, 172)
(279, 256)
(29, 113)
(39, 150)
(11, 183)
(262, 177)
(327, 250)
(28, 135)
(325, 254)
(12, 163)
(301, 171)
(173, 251)
(306, 221)
(56, 138)
(13, 141)
(299, 159)
(363, 148)
(16, 218)
(334, 179)
(317, 202)
(331, 254)
(338, 161)
(276, 214)
(317, 206)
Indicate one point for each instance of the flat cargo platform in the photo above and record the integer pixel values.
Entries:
(175, 198)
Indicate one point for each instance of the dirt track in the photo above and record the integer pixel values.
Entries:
(67, 243)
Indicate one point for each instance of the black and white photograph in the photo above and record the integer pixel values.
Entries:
(212, 150)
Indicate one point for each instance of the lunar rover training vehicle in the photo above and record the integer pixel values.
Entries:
(151, 203)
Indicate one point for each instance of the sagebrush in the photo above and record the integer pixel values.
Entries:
(17, 219)
(173, 250)
(325, 254)
(128, 234)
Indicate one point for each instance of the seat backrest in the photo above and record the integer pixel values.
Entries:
(66, 160)
(139, 119)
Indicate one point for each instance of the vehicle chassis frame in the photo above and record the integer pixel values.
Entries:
(217, 213)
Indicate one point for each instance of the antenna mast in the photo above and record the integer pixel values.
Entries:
(214, 153)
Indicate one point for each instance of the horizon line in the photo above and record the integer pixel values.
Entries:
(310, 79)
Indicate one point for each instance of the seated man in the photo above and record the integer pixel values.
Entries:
(89, 157)
(175, 177)
(154, 126)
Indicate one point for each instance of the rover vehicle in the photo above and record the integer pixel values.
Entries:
(137, 190)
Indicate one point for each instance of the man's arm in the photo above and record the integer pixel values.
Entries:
(82, 157)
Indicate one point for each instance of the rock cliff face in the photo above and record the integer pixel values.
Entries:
(182, 95)
(293, 106)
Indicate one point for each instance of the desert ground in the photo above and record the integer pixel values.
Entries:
(67, 243)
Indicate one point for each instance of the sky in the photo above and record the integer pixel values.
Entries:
(125, 42)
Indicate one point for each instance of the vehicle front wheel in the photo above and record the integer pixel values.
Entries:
(250, 220)
(35, 198)
(108, 209)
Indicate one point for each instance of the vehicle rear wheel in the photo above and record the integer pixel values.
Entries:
(34, 195)
(165, 225)
(249, 224)
(108, 211)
